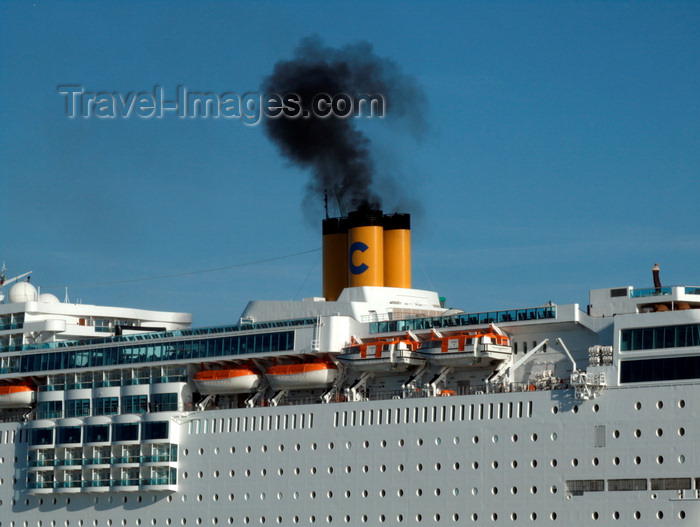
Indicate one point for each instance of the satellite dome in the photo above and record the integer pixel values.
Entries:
(22, 292)
(49, 298)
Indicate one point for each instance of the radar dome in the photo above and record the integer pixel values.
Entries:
(49, 298)
(22, 292)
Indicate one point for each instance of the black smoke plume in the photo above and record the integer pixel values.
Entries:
(336, 152)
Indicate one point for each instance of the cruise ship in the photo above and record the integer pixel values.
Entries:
(372, 404)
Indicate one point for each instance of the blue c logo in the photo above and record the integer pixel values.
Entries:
(357, 269)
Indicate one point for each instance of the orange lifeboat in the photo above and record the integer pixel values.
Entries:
(16, 396)
(305, 375)
(382, 353)
(465, 347)
(234, 380)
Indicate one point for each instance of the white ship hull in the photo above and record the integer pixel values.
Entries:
(458, 460)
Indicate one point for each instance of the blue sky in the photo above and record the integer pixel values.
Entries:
(562, 152)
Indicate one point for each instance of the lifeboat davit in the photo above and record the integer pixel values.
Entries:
(16, 396)
(235, 380)
(305, 375)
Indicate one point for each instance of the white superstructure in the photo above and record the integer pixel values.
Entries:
(380, 407)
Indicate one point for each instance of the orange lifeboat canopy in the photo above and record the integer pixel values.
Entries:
(17, 396)
(233, 380)
(304, 375)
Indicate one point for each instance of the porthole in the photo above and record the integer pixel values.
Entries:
(575, 409)
(681, 514)
(616, 434)
(616, 461)
(438, 441)
(494, 464)
(514, 438)
(681, 404)
(475, 491)
(533, 463)
(475, 465)
(514, 463)
(348, 445)
(554, 463)
(534, 437)
(437, 466)
(553, 489)
(637, 433)
(455, 466)
(660, 515)
(533, 516)
(595, 461)
(264, 448)
(419, 442)
(456, 440)
(660, 460)
(637, 460)
(514, 490)
(248, 449)
(595, 515)
(554, 436)
(513, 516)
(681, 431)
(574, 462)
(314, 446)
(681, 459)
(553, 516)
(637, 515)
(495, 439)
(533, 490)
(331, 445)
(232, 450)
(402, 442)
(475, 439)
(555, 410)
(365, 444)
(596, 408)
(419, 492)
(659, 404)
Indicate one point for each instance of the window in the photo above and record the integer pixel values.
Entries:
(666, 369)
(96, 433)
(50, 410)
(134, 404)
(68, 434)
(41, 436)
(106, 406)
(164, 402)
(77, 407)
(125, 431)
(660, 337)
(155, 430)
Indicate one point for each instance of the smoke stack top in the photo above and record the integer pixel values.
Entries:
(336, 152)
